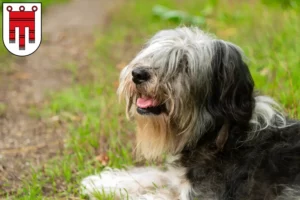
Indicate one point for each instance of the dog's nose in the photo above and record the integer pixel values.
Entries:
(140, 75)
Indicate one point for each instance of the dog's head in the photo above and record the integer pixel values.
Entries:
(180, 85)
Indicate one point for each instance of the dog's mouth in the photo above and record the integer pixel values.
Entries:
(148, 105)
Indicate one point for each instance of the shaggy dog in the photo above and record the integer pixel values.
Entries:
(192, 98)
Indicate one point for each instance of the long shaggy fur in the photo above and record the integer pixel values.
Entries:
(229, 142)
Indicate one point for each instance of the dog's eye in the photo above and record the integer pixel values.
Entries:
(155, 68)
(183, 65)
(187, 70)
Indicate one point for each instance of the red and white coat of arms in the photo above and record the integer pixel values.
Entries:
(22, 27)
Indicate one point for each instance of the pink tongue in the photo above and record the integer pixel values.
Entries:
(145, 102)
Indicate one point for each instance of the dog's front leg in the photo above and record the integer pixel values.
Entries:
(137, 183)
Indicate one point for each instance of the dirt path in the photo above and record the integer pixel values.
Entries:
(68, 35)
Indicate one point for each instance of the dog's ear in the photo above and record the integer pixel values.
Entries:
(231, 95)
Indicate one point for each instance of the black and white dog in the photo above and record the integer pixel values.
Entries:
(192, 98)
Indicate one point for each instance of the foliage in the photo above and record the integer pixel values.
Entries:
(177, 16)
(283, 3)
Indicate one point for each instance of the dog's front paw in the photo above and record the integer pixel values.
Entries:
(104, 183)
(116, 183)
(92, 184)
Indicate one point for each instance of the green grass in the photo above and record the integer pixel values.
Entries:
(96, 122)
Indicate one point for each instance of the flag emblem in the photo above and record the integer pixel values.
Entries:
(22, 27)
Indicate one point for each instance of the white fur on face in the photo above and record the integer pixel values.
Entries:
(139, 183)
(181, 61)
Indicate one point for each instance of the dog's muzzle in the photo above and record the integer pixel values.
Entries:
(148, 105)
(145, 105)
(140, 75)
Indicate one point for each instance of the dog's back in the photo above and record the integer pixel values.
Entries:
(267, 167)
